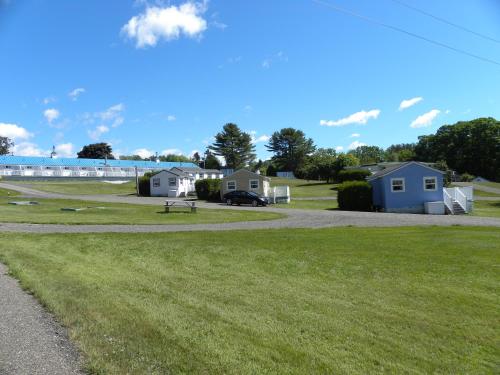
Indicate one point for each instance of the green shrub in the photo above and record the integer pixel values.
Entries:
(352, 175)
(208, 189)
(144, 186)
(466, 177)
(355, 196)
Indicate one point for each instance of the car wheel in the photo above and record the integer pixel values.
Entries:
(229, 202)
(255, 203)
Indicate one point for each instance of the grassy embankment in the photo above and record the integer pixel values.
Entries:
(351, 300)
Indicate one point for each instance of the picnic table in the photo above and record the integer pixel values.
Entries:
(177, 203)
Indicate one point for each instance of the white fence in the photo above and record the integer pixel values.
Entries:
(279, 194)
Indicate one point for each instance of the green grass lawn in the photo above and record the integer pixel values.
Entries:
(311, 205)
(8, 193)
(337, 301)
(487, 208)
(481, 193)
(305, 188)
(78, 186)
(49, 212)
(495, 185)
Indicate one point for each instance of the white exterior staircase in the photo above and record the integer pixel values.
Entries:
(458, 201)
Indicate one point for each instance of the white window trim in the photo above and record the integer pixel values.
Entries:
(168, 181)
(404, 185)
(250, 184)
(227, 185)
(430, 178)
(156, 182)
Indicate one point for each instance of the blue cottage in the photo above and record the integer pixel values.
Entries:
(406, 187)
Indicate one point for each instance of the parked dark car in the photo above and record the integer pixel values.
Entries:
(244, 197)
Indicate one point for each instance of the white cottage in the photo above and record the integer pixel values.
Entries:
(179, 181)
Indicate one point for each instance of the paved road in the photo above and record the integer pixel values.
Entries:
(31, 342)
(295, 218)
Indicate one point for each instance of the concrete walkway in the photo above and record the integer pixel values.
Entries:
(31, 342)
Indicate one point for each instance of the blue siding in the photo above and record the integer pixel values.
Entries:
(414, 196)
(74, 162)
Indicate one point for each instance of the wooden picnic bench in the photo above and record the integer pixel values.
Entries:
(189, 204)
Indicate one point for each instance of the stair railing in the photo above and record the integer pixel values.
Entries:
(461, 199)
(448, 201)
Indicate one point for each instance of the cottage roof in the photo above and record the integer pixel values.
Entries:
(252, 174)
(395, 167)
(196, 170)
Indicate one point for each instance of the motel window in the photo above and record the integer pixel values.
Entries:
(231, 185)
(254, 184)
(430, 183)
(156, 182)
(397, 185)
(171, 181)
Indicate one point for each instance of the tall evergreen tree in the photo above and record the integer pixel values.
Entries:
(235, 146)
(290, 148)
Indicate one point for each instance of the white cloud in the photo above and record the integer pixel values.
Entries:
(410, 102)
(28, 149)
(248, 108)
(143, 153)
(166, 23)
(219, 25)
(361, 117)
(447, 111)
(51, 114)
(339, 148)
(97, 132)
(171, 118)
(14, 131)
(280, 56)
(262, 138)
(171, 151)
(65, 150)
(113, 115)
(74, 94)
(354, 145)
(426, 119)
(355, 135)
(48, 100)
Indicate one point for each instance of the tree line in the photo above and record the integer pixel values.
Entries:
(471, 147)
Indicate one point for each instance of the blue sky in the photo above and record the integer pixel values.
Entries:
(165, 76)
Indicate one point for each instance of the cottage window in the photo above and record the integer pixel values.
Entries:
(430, 183)
(397, 185)
(254, 184)
(156, 182)
(231, 185)
(171, 181)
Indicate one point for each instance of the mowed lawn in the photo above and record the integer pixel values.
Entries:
(319, 204)
(486, 208)
(305, 188)
(84, 187)
(48, 211)
(336, 301)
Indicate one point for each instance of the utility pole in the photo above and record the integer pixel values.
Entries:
(136, 181)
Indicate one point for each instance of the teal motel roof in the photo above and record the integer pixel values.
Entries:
(74, 162)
